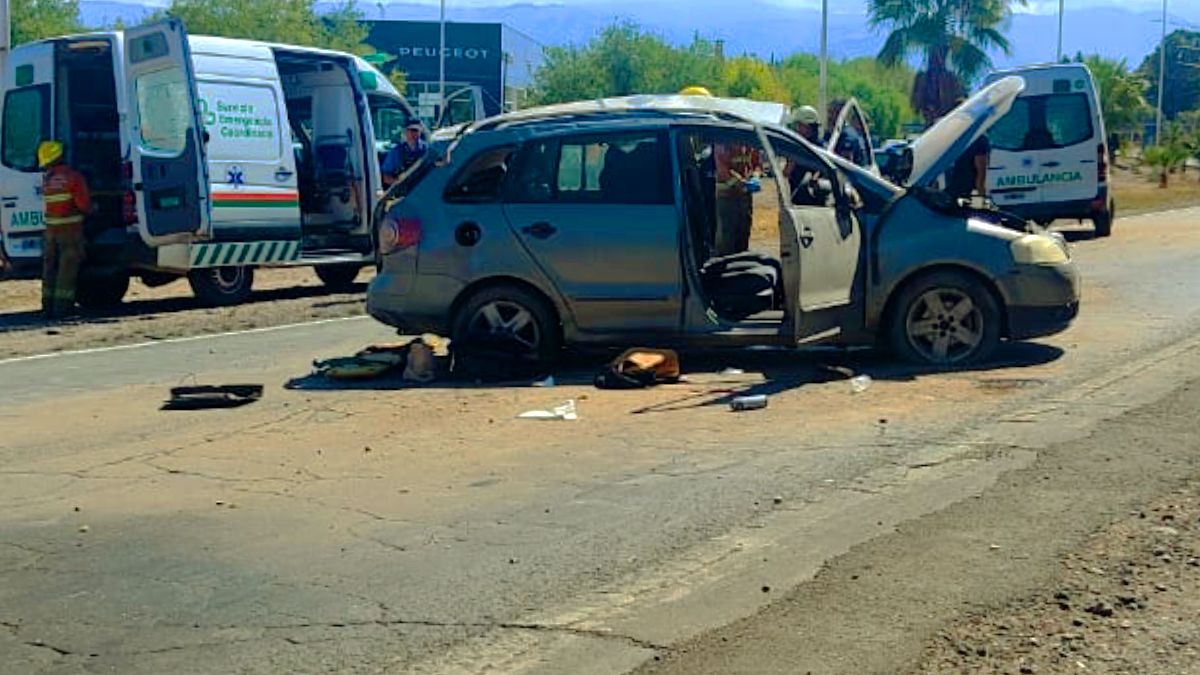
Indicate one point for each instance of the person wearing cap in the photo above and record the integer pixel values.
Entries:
(404, 154)
(67, 202)
(806, 121)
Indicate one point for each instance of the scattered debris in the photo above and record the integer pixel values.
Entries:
(84, 529)
(639, 368)
(742, 403)
(205, 397)
(860, 383)
(565, 411)
(421, 366)
(547, 382)
(732, 371)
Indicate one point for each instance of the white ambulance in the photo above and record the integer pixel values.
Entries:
(1049, 154)
(207, 157)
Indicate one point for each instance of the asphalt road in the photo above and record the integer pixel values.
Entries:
(400, 529)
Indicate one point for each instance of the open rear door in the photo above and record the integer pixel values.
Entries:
(170, 171)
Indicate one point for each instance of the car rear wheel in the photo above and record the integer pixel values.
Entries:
(945, 319)
(508, 320)
(101, 291)
(221, 286)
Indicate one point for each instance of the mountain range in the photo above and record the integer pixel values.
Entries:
(756, 27)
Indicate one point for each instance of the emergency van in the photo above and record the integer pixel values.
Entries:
(1049, 155)
(207, 157)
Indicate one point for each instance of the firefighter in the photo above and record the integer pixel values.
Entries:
(67, 202)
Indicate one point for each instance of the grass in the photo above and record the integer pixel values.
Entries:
(1139, 192)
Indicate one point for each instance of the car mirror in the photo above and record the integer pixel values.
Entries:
(899, 165)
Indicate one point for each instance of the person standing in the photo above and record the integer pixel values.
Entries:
(969, 175)
(67, 202)
(404, 154)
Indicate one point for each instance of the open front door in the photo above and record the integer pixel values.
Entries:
(850, 136)
(170, 171)
(820, 243)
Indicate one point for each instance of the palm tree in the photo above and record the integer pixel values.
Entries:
(953, 38)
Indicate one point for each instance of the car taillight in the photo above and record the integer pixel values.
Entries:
(129, 207)
(1102, 163)
(396, 234)
(127, 170)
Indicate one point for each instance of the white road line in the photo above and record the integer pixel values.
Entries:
(167, 341)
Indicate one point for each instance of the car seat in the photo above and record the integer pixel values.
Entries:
(333, 169)
(742, 284)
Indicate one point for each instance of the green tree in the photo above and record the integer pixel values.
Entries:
(39, 19)
(622, 60)
(287, 21)
(952, 37)
(1182, 87)
(1120, 92)
(748, 77)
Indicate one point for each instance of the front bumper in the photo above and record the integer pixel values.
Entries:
(1042, 299)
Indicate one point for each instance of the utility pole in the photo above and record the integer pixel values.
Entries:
(441, 109)
(1162, 77)
(1059, 58)
(822, 90)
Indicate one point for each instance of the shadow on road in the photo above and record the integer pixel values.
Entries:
(33, 320)
(780, 369)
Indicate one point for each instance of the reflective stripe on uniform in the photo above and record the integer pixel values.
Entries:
(63, 220)
(58, 198)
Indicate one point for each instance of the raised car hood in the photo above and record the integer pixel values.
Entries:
(936, 150)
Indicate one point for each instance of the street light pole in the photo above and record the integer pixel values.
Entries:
(1162, 77)
(822, 90)
(1060, 30)
(442, 62)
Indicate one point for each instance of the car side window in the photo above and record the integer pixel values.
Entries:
(26, 125)
(482, 179)
(624, 168)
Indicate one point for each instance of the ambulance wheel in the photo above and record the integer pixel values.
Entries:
(338, 277)
(221, 286)
(1103, 222)
(101, 292)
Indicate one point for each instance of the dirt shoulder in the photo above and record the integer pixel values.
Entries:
(1137, 191)
(982, 586)
(281, 296)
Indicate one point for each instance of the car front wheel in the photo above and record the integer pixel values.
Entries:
(945, 319)
(508, 320)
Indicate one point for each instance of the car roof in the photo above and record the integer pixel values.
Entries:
(631, 112)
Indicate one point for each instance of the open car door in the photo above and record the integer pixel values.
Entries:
(850, 137)
(170, 171)
(820, 242)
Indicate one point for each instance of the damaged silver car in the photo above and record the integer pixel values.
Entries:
(687, 221)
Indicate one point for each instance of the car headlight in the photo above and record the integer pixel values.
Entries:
(1039, 249)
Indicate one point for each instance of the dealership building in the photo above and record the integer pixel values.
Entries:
(489, 66)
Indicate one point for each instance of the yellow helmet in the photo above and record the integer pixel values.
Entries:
(49, 152)
(695, 91)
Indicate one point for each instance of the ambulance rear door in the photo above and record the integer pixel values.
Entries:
(27, 120)
(167, 153)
